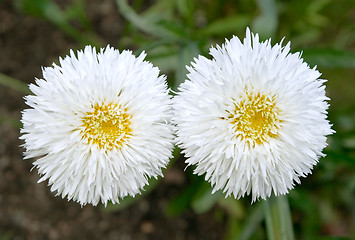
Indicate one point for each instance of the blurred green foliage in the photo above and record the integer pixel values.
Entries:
(173, 32)
(50, 11)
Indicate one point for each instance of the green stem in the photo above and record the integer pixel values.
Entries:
(270, 228)
(278, 219)
(285, 218)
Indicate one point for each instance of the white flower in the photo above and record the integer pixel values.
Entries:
(98, 125)
(253, 119)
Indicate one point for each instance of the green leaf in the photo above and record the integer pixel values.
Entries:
(15, 84)
(284, 212)
(303, 202)
(333, 238)
(175, 27)
(77, 11)
(50, 11)
(13, 122)
(243, 225)
(329, 58)
(183, 201)
(204, 200)
(6, 234)
(270, 223)
(253, 220)
(33, 7)
(160, 10)
(224, 26)
(43, 8)
(186, 9)
(186, 54)
(162, 55)
(232, 229)
(278, 219)
(129, 200)
(144, 25)
(266, 23)
(232, 206)
(339, 156)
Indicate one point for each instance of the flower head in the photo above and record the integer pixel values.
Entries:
(253, 119)
(98, 125)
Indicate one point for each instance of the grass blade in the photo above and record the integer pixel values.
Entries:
(14, 84)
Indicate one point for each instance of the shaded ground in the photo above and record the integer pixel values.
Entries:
(29, 210)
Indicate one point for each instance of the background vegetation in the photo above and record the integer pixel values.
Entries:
(173, 32)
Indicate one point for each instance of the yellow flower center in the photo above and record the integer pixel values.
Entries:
(107, 125)
(255, 118)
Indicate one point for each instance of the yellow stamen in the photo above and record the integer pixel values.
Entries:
(255, 118)
(107, 125)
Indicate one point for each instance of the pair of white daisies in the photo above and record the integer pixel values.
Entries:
(252, 119)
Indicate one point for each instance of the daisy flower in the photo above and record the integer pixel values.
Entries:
(98, 125)
(252, 119)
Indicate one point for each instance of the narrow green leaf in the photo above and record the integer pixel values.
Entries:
(329, 58)
(32, 7)
(6, 234)
(50, 11)
(255, 217)
(55, 15)
(129, 200)
(204, 200)
(233, 228)
(340, 156)
(283, 209)
(77, 11)
(334, 238)
(278, 219)
(15, 123)
(304, 202)
(166, 63)
(13, 83)
(144, 25)
(186, 9)
(175, 27)
(225, 26)
(232, 206)
(266, 23)
(162, 9)
(186, 54)
(163, 55)
(270, 226)
(235, 212)
(183, 201)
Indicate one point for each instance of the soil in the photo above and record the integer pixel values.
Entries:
(29, 210)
